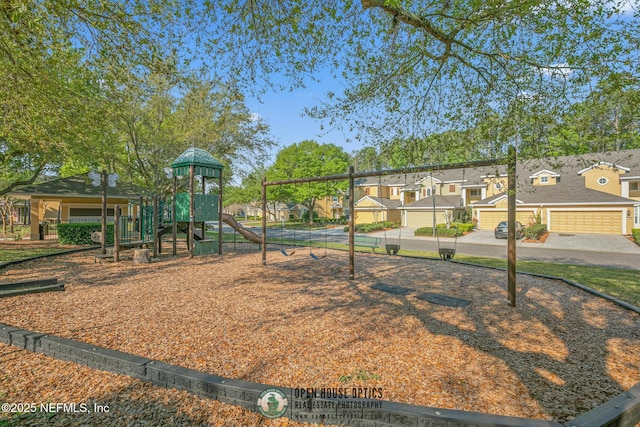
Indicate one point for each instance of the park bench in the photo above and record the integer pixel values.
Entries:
(367, 242)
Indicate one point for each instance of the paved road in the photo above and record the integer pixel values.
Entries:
(578, 249)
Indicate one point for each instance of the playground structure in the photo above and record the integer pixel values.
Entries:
(186, 212)
(510, 161)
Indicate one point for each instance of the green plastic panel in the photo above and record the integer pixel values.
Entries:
(205, 247)
(206, 207)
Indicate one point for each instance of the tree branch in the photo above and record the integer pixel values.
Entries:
(409, 19)
(29, 181)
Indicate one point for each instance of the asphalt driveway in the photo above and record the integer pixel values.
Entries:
(583, 242)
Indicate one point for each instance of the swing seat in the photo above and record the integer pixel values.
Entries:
(392, 249)
(446, 254)
(316, 257)
(285, 253)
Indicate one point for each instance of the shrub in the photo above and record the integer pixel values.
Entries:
(365, 228)
(636, 235)
(442, 231)
(80, 233)
(305, 216)
(535, 231)
(463, 227)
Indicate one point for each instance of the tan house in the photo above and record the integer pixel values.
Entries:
(74, 199)
(596, 193)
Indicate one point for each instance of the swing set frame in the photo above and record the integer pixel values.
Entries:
(509, 161)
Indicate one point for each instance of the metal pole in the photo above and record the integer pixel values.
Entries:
(116, 233)
(103, 181)
(351, 225)
(511, 231)
(264, 220)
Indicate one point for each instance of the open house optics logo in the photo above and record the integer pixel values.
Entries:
(272, 403)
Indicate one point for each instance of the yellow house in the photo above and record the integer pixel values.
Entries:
(571, 199)
(595, 193)
(74, 199)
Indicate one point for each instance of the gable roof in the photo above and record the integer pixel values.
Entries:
(544, 172)
(381, 201)
(603, 163)
(77, 186)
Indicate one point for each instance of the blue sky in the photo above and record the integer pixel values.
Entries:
(283, 112)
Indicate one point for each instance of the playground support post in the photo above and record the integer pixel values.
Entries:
(191, 210)
(103, 182)
(220, 216)
(154, 224)
(352, 253)
(174, 224)
(511, 230)
(116, 233)
(264, 220)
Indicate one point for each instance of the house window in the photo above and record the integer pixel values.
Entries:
(633, 186)
(602, 180)
(334, 199)
(427, 191)
(636, 215)
(544, 179)
(475, 192)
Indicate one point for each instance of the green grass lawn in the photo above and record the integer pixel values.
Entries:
(24, 252)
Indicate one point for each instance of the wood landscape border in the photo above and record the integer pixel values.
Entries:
(623, 410)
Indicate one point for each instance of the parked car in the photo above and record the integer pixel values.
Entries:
(501, 231)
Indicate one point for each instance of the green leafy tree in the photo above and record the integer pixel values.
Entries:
(415, 66)
(609, 118)
(159, 125)
(56, 59)
(308, 159)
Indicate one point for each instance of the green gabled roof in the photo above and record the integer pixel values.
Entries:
(205, 164)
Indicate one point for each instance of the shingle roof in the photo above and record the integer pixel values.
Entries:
(77, 186)
(386, 203)
(570, 189)
(441, 202)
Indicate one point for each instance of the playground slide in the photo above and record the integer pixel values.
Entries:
(247, 234)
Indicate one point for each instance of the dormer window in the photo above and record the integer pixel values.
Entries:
(544, 179)
(602, 180)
